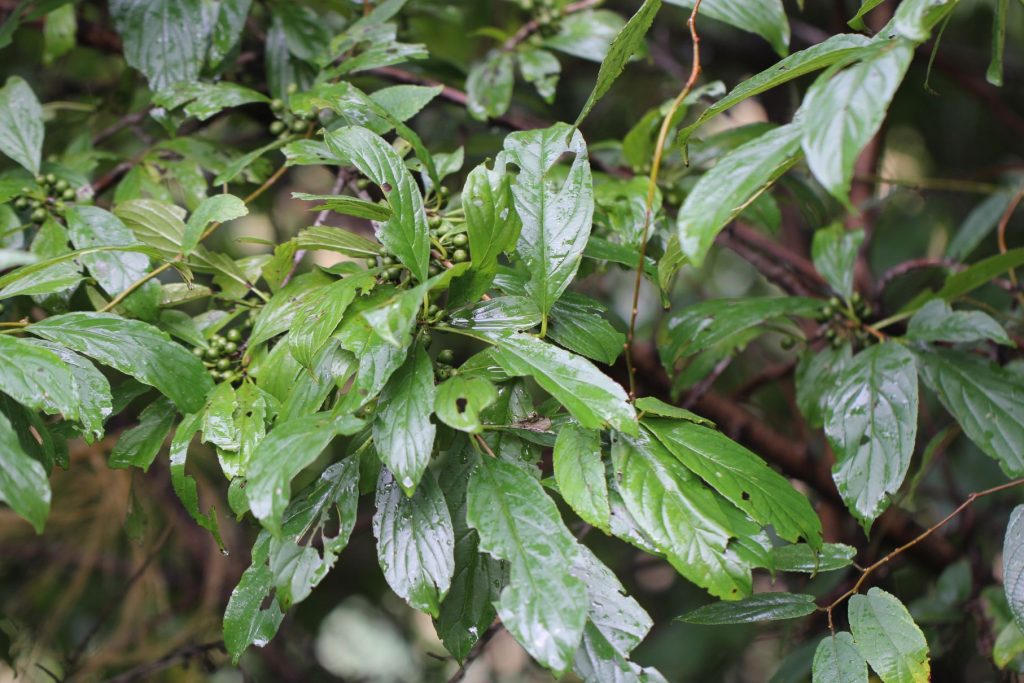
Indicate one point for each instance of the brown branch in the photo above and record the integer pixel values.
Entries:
(1001, 231)
(478, 649)
(774, 270)
(145, 672)
(126, 121)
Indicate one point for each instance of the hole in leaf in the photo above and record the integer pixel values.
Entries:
(461, 404)
(745, 496)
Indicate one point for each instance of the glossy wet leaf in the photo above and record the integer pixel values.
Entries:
(246, 621)
(936, 321)
(139, 446)
(402, 431)
(489, 85)
(736, 180)
(134, 348)
(185, 486)
(321, 313)
(580, 474)
(500, 314)
(985, 399)
(655, 406)
(37, 378)
(766, 18)
(21, 124)
(1013, 564)
(155, 223)
(115, 271)
(834, 251)
(816, 375)
(577, 324)
(279, 314)
(837, 660)
(164, 39)
(23, 481)
(219, 208)
(460, 400)
(415, 541)
(95, 403)
(888, 638)
(871, 421)
(741, 477)
(543, 605)
(760, 607)
(801, 557)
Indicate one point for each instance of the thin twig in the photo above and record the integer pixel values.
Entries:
(532, 26)
(477, 650)
(1001, 231)
(652, 190)
(867, 571)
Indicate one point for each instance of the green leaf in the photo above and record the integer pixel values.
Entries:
(460, 400)
(937, 321)
(741, 477)
(830, 51)
(760, 607)
(541, 68)
(838, 121)
(655, 406)
(185, 487)
(155, 223)
(500, 314)
(834, 251)
(1013, 564)
(406, 233)
(246, 622)
(837, 660)
(164, 39)
(628, 42)
(415, 541)
(857, 21)
(556, 215)
(576, 323)
(543, 605)
(978, 274)
(709, 323)
(731, 185)
(685, 521)
(219, 208)
(91, 226)
(468, 609)
(279, 314)
(871, 421)
(914, 19)
(134, 348)
(59, 29)
(580, 474)
(23, 481)
(489, 85)
(90, 387)
(21, 124)
(766, 18)
(978, 224)
(801, 557)
(339, 240)
(816, 375)
(492, 224)
(888, 638)
(344, 204)
(1008, 646)
(139, 446)
(985, 399)
(321, 313)
(403, 434)
(289, 448)
(994, 75)
(587, 34)
(37, 378)
(204, 100)
(593, 398)
(227, 30)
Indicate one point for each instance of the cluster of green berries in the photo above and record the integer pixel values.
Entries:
(443, 368)
(288, 123)
(454, 242)
(841, 325)
(58, 192)
(223, 357)
(392, 267)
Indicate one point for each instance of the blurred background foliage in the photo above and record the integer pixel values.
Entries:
(122, 589)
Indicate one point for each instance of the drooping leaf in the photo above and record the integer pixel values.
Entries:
(489, 85)
(766, 18)
(914, 19)
(37, 378)
(344, 204)
(580, 474)
(23, 481)
(837, 660)
(629, 41)
(736, 180)
(655, 406)
(593, 398)
(838, 122)
(978, 224)
(760, 607)
(994, 74)
(406, 233)
(541, 68)
(139, 446)
(164, 39)
(801, 557)
(556, 216)
(402, 431)
(937, 321)
(834, 251)
(586, 34)
(888, 638)
(544, 605)
(816, 375)
(741, 477)
(577, 324)
(219, 208)
(1013, 564)
(134, 348)
(21, 124)
(415, 541)
(91, 226)
(246, 621)
(985, 399)
(871, 421)
(90, 387)
(185, 487)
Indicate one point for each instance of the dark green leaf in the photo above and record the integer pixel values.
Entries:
(115, 271)
(1013, 564)
(321, 313)
(760, 607)
(816, 375)
(978, 224)
(415, 541)
(279, 314)
(736, 180)
(203, 100)
(339, 240)
(837, 660)
(834, 251)
(246, 622)
(138, 446)
(185, 487)
(489, 85)
(576, 323)
(979, 274)
(937, 321)
(888, 638)
(402, 431)
(157, 224)
(219, 208)
(655, 406)
(90, 386)
(21, 124)
(500, 314)
(164, 39)
(741, 477)
(994, 75)
(134, 348)
(801, 557)
(37, 378)
(857, 21)
(227, 30)
(461, 399)
(23, 481)
(871, 421)
(987, 401)
(627, 43)
(344, 204)
(766, 18)
(580, 474)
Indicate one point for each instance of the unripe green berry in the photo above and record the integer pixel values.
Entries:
(432, 309)
(39, 215)
(394, 274)
(425, 339)
(460, 255)
(387, 261)
(434, 222)
(310, 115)
(227, 376)
(834, 302)
(223, 364)
(214, 374)
(60, 185)
(433, 270)
(446, 356)
(34, 204)
(51, 178)
(212, 353)
(277, 127)
(230, 347)
(276, 105)
(371, 262)
(198, 352)
(460, 240)
(69, 195)
(234, 335)
(298, 126)
(20, 203)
